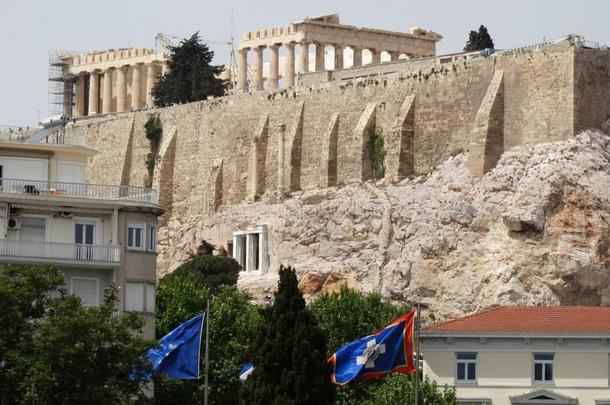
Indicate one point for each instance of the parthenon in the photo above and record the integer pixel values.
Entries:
(122, 80)
(125, 77)
(320, 32)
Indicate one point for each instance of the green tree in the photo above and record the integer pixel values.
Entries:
(290, 353)
(233, 324)
(54, 350)
(399, 389)
(349, 315)
(191, 77)
(23, 301)
(214, 272)
(479, 40)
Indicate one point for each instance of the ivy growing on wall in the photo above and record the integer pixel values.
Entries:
(154, 130)
(376, 153)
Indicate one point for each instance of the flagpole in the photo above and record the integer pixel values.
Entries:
(417, 357)
(207, 353)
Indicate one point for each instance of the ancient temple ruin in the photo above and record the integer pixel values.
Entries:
(109, 81)
(346, 40)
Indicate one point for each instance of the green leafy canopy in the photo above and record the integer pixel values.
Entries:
(191, 77)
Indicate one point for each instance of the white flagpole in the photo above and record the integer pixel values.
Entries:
(417, 357)
(207, 352)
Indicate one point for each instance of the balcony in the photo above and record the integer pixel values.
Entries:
(78, 190)
(51, 251)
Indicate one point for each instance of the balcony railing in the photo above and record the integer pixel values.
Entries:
(61, 251)
(80, 190)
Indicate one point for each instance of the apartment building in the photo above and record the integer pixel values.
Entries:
(96, 234)
(523, 356)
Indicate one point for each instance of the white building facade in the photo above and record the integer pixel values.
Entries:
(96, 234)
(523, 356)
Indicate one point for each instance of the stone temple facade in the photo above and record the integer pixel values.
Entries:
(321, 32)
(111, 81)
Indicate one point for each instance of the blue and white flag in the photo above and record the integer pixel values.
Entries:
(389, 350)
(245, 371)
(178, 352)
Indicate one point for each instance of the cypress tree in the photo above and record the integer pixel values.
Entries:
(191, 77)
(290, 365)
(479, 40)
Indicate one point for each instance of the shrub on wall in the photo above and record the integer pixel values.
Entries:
(377, 153)
(154, 130)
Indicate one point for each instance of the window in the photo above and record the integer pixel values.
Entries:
(543, 367)
(33, 229)
(139, 297)
(466, 367)
(150, 298)
(87, 289)
(135, 236)
(152, 238)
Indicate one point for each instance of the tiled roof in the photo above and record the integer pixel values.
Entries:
(530, 319)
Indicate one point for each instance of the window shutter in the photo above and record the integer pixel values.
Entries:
(87, 289)
(134, 297)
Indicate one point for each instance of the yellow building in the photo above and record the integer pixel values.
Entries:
(523, 355)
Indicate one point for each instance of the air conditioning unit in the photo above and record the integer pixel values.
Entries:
(66, 214)
(14, 223)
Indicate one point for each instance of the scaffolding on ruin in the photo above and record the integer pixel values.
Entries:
(60, 88)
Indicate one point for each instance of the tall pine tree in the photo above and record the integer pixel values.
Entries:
(479, 40)
(290, 353)
(190, 77)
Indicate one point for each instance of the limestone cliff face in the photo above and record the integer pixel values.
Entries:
(534, 230)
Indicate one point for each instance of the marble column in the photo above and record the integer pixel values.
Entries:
(319, 57)
(281, 181)
(357, 58)
(338, 57)
(242, 69)
(257, 69)
(274, 67)
(394, 55)
(289, 65)
(107, 92)
(94, 93)
(375, 56)
(67, 91)
(303, 66)
(121, 83)
(136, 86)
(80, 95)
(151, 79)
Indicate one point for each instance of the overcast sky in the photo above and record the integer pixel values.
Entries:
(30, 29)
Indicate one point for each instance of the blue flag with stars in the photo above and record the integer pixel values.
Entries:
(374, 356)
(178, 352)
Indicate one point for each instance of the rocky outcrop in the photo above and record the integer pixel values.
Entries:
(533, 230)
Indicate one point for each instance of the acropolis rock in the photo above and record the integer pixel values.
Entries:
(450, 245)
(496, 173)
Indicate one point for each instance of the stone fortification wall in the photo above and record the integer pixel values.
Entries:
(213, 151)
(592, 87)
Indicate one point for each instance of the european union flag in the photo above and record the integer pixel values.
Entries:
(389, 350)
(178, 352)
